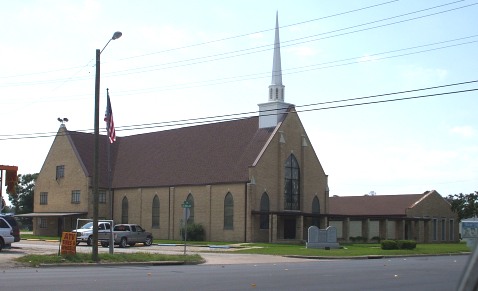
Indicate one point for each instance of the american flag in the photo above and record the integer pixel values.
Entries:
(110, 125)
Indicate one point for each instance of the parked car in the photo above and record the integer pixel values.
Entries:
(126, 234)
(6, 234)
(85, 233)
(14, 224)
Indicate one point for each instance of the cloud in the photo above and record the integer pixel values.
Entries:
(464, 131)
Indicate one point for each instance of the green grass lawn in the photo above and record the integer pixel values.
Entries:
(346, 250)
(351, 250)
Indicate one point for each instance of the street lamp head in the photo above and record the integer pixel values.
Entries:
(117, 35)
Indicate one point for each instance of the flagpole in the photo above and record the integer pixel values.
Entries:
(108, 152)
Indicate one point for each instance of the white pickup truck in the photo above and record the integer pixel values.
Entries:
(85, 233)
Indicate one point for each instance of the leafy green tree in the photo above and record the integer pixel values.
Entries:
(465, 205)
(22, 200)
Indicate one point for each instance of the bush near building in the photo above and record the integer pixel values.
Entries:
(398, 244)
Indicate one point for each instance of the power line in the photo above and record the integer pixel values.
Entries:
(235, 116)
(238, 53)
(212, 41)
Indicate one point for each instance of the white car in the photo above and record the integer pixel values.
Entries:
(6, 234)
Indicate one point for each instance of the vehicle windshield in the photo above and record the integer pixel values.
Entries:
(89, 225)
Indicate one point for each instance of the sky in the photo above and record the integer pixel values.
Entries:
(178, 61)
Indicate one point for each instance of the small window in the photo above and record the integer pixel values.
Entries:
(435, 229)
(43, 198)
(102, 196)
(43, 223)
(133, 228)
(60, 172)
(75, 196)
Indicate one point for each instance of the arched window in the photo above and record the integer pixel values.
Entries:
(228, 211)
(277, 93)
(264, 218)
(315, 210)
(270, 94)
(292, 184)
(124, 210)
(190, 200)
(155, 212)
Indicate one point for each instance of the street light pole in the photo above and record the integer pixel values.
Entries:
(96, 155)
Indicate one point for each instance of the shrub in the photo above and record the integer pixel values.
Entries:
(195, 232)
(398, 244)
(407, 244)
(388, 245)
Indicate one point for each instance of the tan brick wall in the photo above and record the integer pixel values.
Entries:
(208, 210)
(59, 191)
(434, 206)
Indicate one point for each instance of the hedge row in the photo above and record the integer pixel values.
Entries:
(398, 244)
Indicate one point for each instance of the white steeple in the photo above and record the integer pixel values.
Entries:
(271, 113)
(276, 89)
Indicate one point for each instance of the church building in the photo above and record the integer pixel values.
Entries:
(255, 179)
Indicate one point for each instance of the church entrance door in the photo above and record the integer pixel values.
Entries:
(289, 228)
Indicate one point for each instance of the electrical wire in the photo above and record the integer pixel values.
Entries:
(235, 116)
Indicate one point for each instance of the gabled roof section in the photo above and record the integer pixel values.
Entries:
(198, 155)
(83, 145)
(389, 205)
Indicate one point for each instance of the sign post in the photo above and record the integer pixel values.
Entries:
(186, 206)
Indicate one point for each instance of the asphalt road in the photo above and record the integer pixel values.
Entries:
(227, 271)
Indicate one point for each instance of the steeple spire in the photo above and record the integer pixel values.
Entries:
(272, 112)
(276, 89)
(276, 66)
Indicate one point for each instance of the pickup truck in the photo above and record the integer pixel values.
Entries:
(126, 234)
(85, 233)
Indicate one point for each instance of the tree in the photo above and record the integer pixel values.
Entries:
(464, 205)
(22, 200)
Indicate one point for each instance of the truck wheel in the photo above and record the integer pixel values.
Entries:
(123, 243)
(2, 244)
(148, 241)
(89, 241)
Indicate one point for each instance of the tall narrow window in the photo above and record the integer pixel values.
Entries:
(264, 218)
(452, 229)
(43, 198)
(155, 222)
(292, 184)
(124, 210)
(228, 211)
(60, 171)
(443, 229)
(435, 229)
(75, 196)
(315, 210)
(190, 200)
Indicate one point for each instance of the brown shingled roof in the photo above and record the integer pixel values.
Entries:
(197, 155)
(373, 205)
